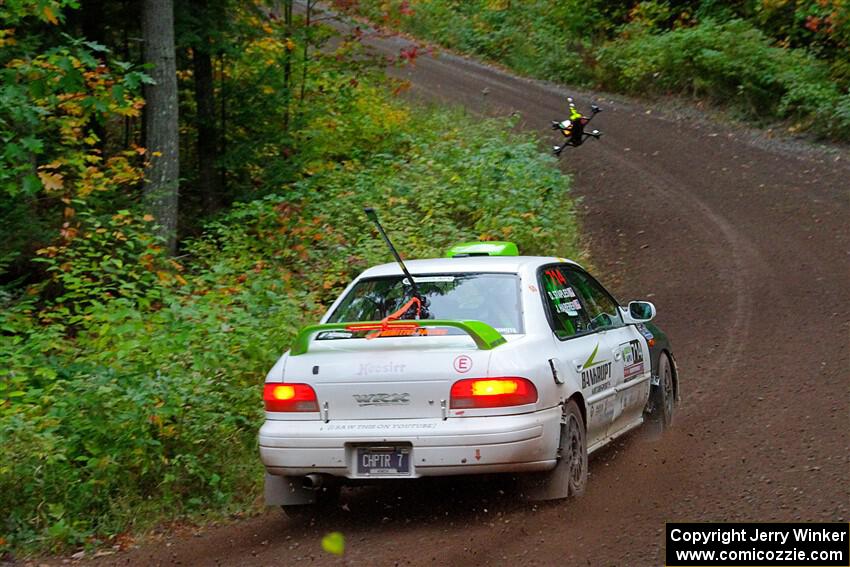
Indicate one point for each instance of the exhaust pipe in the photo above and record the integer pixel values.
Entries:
(313, 481)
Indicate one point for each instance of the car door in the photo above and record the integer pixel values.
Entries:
(583, 352)
(627, 349)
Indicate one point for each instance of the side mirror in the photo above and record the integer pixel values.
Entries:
(639, 312)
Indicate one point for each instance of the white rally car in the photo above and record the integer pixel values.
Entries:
(508, 364)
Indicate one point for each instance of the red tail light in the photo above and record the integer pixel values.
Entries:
(492, 392)
(289, 397)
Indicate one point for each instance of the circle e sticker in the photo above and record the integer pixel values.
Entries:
(463, 364)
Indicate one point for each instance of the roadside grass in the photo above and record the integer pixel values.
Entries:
(130, 390)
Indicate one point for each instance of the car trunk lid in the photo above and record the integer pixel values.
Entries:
(388, 378)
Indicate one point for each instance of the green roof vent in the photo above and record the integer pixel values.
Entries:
(466, 249)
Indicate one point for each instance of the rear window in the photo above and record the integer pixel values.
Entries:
(491, 298)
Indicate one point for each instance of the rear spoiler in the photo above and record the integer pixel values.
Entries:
(485, 336)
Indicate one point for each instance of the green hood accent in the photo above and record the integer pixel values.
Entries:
(591, 359)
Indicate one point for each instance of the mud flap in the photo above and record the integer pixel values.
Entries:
(286, 490)
(549, 485)
(676, 384)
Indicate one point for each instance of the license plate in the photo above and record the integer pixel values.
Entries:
(383, 460)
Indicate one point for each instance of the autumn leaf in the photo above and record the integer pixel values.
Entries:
(148, 218)
(51, 181)
(48, 14)
(129, 111)
(334, 543)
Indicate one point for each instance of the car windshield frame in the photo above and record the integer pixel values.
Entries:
(520, 314)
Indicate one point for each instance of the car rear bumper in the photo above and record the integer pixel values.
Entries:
(468, 445)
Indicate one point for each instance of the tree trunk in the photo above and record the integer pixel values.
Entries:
(161, 129)
(207, 145)
(287, 65)
(223, 127)
(307, 24)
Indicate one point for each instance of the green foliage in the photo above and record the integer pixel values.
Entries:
(52, 104)
(13, 12)
(732, 63)
(768, 60)
(130, 389)
(47, 105)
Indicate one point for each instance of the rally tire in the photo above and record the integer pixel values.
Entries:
(574, 449)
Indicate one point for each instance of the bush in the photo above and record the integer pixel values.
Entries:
(731, 63)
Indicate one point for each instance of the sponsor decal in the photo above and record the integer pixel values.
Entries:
(429, 279)
(600, 388)
(595, 375)
(647, 334)
(595, 372)
(369, 369)
(376, 426)
(407, 332)
(328, 335)
(602, 412)
(382, 399)
(632, 359)
(463, 364)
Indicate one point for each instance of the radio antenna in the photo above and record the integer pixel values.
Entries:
(373, 216)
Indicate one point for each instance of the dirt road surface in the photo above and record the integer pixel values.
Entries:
(745, 250)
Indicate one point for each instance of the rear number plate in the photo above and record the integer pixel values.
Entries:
(383, 460)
